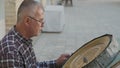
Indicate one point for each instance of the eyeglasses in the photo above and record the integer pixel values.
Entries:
(41, 21)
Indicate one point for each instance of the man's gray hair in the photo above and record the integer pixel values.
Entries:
(27, 7)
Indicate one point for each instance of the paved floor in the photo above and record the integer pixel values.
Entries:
(84, 21)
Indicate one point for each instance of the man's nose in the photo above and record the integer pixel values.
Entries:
(42, 24)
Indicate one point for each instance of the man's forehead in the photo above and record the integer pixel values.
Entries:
(39, 11)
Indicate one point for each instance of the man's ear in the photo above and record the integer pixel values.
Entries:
(27, 20)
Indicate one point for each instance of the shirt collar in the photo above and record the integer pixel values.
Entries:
(20, 37)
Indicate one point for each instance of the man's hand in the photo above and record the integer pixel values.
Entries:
(61, 60)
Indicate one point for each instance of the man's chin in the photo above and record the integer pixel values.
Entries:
(38, 33)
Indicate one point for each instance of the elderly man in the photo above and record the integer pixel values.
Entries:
(16, 47)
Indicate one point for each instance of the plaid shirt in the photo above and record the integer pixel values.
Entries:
(17, 52)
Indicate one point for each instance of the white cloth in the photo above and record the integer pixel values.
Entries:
(54, 18)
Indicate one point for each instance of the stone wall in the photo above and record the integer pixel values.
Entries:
(2, 19)
(11, 7)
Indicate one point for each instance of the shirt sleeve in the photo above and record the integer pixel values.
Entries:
(10, 60)
(47, 64)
